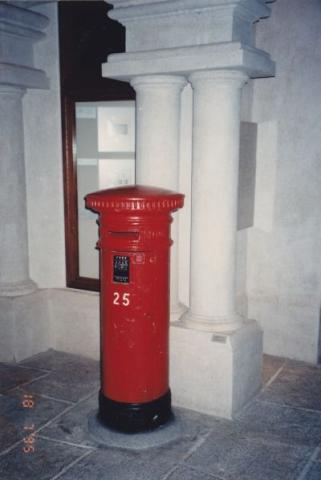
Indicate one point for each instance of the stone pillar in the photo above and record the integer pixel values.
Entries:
(24, 331)
(210, 43)
(20, 30)
(14, 268)
(158, 103)
(216, 125)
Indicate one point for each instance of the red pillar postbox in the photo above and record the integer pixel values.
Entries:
(134, 269)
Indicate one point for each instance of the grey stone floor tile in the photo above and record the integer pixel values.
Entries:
(271, 365)
(71, 377)
(202, 420)
(314, 472)
(185, 473)
(70, 385)
(235, 455)
(313, 468)
(279, 422)
(116, 464)
(15, 418)
(73, 425)
(47, 460)
(60, 361)
(12, 375)
(296, 386)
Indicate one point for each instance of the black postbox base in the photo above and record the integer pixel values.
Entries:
(135, 417)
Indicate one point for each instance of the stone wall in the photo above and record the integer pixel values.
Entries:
(283, 257)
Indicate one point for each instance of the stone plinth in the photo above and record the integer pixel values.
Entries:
(25, 326)
(215, 373)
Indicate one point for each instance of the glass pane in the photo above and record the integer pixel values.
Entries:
(105, 156)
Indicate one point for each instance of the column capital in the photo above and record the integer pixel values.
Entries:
(14, 91)
(163, 81)
(20, 26)
(221, 78)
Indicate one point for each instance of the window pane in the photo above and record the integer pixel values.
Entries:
(105, 155)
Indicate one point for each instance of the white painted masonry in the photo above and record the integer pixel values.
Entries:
(284, 268)
(279, 275)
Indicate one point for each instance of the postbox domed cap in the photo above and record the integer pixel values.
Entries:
(134, 198)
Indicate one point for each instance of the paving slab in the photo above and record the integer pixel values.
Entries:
(185, 473)
(281, 423)
(15, 418)
(11, 376)
(71, 377)
(60, 361)
(314, 472)
(72, 426)
(45, 461)
(69, 385)
(117, 464)
(296, 386)
(271, 365)
(235, 455)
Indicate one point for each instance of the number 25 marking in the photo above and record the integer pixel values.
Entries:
(121, 300)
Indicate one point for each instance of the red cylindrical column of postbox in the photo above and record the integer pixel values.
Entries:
(134, 245)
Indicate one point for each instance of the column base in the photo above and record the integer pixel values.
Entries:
(17, 288)
(215, 373)
(176, 311)
(25, 326)
(135, 417)
(212, 324)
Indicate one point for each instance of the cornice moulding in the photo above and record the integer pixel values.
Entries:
(184, 61)
(13, 15)
(19, 31)
(152, 25)
(20, 28)
(129, 9)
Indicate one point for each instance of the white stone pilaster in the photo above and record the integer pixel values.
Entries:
(158, 100)
(216, 123)
(19, 29)
(14, 268)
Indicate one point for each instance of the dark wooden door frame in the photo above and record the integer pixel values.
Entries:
(82, 82)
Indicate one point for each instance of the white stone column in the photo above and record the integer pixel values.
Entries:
(14, 268)
(158, 101)
(216, 124)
